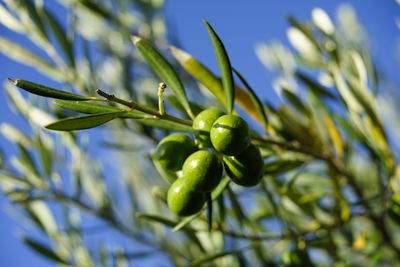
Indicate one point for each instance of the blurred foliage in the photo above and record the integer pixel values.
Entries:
(330, 194)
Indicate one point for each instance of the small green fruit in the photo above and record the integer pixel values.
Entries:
(230, 135)
(245, 169)
(202, 125)
(182, 201)
(202, 171)
(173, 150)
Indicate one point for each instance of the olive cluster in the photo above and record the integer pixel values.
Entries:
(201, 170)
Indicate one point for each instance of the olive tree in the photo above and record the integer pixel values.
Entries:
(312, 180)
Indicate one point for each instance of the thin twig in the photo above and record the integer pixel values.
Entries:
(135, 106)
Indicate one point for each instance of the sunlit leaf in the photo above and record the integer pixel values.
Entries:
(345, 92)
(212, 82)
(164, 70)
(224, 67)
(27, 57)
(8, 20)
(305, 44)
(15, 135)
(60, 35)
(256, 101)
(334, 135)
(43, 213)
(83, 122)
(322, 21)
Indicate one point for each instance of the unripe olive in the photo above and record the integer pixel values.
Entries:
(182, 201)
(202, 124)
(202, 171)
(173, 150)
(245, 169)
(230, 135)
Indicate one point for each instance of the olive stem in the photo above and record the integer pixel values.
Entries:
(161, 88)
(135, 106)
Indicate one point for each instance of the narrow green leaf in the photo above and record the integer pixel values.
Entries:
(26, 158)
(155, 218)
(11, 22)
(224, 66)
(281, 166)
(221, 209)
(42, 90)
(36, 19)
(83, 122)
(236, 207)
(164, 70)
(15, 135)
(345, 92)
(46, 155)
(60, 36)
(97, 108)
(44, 250)
(167, 125)
(296, 102)
(256, 101)
(27, 57)
(214, 257)
(212, 82)
(316, 88)
(304, 30)
(214, 195)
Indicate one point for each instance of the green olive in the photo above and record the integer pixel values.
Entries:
(173, 150)
(182, 201)
(245, 169)
(230, 135)
(202, 125)
(202, 171)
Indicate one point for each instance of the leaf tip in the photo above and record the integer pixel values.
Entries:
(179, 54)
(13, 81)
(135, 39)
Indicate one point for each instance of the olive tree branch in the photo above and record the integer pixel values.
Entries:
(135, 106)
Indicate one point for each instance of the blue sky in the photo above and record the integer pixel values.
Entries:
(240, 25)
